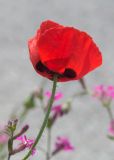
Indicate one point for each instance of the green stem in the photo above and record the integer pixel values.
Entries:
(10, 145)
(48, 144)
(9, 157)
(45, 119)
(110, 113)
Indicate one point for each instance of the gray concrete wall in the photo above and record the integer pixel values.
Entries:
(87, 123)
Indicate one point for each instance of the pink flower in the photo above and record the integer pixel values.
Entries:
(62, 143)
(111, 128)
(104, 93)
(3, 137)
(58, 95)
(57, 110)
(27, 142)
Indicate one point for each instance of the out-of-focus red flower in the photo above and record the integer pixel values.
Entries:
(65, 51)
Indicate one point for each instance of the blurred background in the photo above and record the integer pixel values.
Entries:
(86, 125)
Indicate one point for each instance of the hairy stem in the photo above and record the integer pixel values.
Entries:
(45, 119)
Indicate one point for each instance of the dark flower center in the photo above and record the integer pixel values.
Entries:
(40, 67)
(68, 73)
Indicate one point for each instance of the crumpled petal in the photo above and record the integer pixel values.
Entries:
(65, 51)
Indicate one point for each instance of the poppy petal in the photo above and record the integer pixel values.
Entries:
(55, 45)
(33, 50)
(65, 51)
(87, 56)
(46, 25)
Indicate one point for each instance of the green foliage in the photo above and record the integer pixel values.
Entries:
(110, 137)
(30, 102)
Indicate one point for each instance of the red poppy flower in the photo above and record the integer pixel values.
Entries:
(65, 51)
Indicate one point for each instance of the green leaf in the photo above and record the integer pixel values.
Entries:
(30, 102)
(110, 137)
